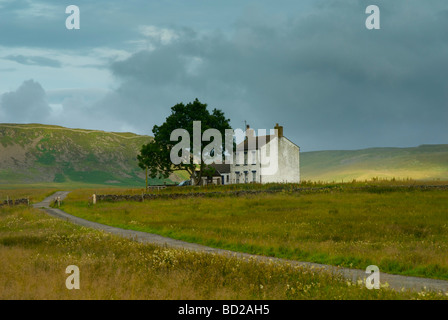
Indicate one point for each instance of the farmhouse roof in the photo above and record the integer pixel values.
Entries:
(258, 143)
(221, 168)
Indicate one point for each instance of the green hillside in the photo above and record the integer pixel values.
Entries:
(35, 153)
(426, 162)
(43, 154)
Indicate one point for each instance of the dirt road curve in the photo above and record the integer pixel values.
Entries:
(395, 281)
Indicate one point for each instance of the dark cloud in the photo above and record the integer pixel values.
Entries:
(310, 65)
(42, 24)
(30, 103)
(329, 80)
(34, 61)
(27, 104)
(104, 23)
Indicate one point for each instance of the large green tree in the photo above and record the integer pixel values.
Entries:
(155, 156)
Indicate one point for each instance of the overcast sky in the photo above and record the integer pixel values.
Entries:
(312, 66)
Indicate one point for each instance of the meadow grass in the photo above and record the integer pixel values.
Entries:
(402, 231)
(35, 194)
(35, 250)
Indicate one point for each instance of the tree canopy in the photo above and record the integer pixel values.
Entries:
(155, 156)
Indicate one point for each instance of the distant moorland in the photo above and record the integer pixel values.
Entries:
(426, 162)
(53, 155)
(42, 154)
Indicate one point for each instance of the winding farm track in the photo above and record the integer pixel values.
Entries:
(396, 282)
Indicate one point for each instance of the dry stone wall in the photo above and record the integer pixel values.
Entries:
(327, 189)
(16, 202)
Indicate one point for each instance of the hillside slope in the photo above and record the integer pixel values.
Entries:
(35, 153)
(426, 162)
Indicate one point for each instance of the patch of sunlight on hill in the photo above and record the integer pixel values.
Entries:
(428, 162)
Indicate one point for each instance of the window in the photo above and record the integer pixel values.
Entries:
(254, 157)
(254, 176)
(246, 177)
(228, 178)
(237, 159)
(237, 176)
(245, 158)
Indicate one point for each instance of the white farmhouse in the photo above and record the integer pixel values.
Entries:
(265, 159)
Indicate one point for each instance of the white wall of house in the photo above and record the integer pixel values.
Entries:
(288, 165)
(214, 180)
(248, 170)
(288, 170)
(227, 178)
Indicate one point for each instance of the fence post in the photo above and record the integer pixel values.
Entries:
(94, 198)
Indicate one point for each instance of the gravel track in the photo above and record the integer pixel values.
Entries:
(396, 282)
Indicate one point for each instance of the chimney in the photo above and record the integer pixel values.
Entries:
(250, 133)
(279, 130)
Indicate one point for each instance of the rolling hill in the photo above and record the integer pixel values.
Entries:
(425, 162)
(41, 154)
(35, 153)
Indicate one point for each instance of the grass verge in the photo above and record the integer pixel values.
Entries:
(402, 231)
(35, 250)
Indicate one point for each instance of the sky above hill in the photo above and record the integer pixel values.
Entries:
(311, 66)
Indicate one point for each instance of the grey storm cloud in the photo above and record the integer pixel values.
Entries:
(331, 82)
(310, 65)
(42, 24)
(30, 103)
(34, 60)
(27, 104)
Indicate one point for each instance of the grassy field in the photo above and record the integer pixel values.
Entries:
(402, 231)
(35, 250)
(35, 194)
